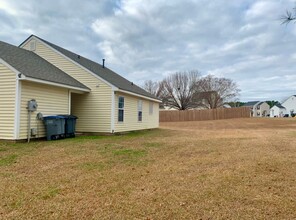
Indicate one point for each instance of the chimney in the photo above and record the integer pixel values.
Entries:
(103, 63)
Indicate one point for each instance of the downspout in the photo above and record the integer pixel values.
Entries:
(29, 125)
(17, 107)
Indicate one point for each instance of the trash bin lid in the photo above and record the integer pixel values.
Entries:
(69, 116)
(53, 117)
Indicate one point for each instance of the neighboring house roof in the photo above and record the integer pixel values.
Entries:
(105, 73)
(288, 98)
(33, 66)
(279, 106)
(251, 104)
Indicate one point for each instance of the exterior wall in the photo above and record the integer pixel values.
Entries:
(290, 105)
(93, 109)
(260, 110)
(253, 111)
(51, 100)
(264, 109)
(131, 114)
(277, 112)
(7, 102)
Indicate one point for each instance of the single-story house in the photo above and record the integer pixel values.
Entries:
(62, 82)
(258, 109)
(277, 111)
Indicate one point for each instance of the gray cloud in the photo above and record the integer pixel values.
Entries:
(241, 39)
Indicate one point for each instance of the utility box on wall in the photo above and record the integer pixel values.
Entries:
(32, 105)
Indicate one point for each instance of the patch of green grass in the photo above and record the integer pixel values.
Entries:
(93, 166)
(93, 137)
(129, 155)
(50, 193)
(140, 133)
(3, 149)
(153, 144)
(8, 160)
(16, 204)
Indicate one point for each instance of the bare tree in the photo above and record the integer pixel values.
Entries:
(153, 88)
(178, 89)
(289, 16)
(213, 92)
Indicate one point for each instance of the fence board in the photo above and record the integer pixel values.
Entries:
(202, 115)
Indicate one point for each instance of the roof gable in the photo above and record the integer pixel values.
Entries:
(102, 72)
(279, 106)
(31, 65)
(288, 98)
(251, 103)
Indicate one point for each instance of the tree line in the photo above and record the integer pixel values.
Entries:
(189, 90)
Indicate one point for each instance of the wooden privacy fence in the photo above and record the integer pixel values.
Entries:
(202, 115)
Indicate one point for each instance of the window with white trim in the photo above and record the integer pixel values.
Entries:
(140, 108)
(150, 108)
(120, 109)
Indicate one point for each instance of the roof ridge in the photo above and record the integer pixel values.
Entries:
(33, 66)
(103, 72)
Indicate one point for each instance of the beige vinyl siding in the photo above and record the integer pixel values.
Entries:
(131, 122)
(7, 102)
(93, 109)
(51, 100)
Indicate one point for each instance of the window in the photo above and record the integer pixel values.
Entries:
(120, 109)
(150, 108)
(140, 107)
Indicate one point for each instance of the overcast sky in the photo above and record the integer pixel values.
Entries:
(238, 39)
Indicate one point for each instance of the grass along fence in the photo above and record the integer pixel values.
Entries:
(202, 115)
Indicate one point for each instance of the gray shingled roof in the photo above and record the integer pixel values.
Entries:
(279, 106)
(251, 103)
(105, 73)
(32, 65)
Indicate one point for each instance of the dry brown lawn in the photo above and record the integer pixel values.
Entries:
(227, 169)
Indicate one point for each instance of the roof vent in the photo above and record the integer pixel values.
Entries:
(78, 56)
(103, 63)
(33, 45)
(132, 83)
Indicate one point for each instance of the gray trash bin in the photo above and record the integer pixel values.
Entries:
(55, 127)
(70, 123)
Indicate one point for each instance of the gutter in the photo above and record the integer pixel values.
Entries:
(30, 79)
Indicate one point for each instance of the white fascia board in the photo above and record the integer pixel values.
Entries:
(25, 78)
(67, 58)
(140, 96)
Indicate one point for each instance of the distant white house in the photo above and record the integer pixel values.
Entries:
(290, 105)
(277, 111)
(258, 109)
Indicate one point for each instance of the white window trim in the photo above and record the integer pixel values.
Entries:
(120, 109)
(140, 109)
